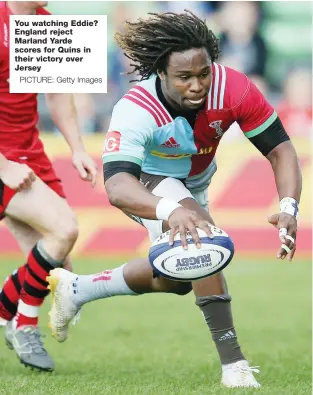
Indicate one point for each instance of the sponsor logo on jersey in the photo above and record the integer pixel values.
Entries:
(217, 126)
(170, 143)
(205, 151)
(202, 151)
(112, 142)
(169, 156)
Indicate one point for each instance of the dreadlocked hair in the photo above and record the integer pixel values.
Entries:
(150, 42)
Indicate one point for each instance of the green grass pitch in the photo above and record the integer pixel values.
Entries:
(160, 345)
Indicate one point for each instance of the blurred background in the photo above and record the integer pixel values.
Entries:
(271, 42)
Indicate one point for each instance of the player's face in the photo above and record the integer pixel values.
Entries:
(187, 80)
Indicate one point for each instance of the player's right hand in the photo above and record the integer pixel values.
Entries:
(287, 226)
(183, 220)
(17, 176)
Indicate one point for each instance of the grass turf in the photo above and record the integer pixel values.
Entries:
(159, 344)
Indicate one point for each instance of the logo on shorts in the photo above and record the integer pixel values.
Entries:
(112, 142)
(217, 126)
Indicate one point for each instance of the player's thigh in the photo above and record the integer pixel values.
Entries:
(139, 275)
(25, 236)
(42, 209)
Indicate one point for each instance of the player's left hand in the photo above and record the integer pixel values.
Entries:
(85, 166)
(287, 225)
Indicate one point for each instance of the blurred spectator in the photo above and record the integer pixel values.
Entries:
(242, 47)
(295, 109)
(199, 8)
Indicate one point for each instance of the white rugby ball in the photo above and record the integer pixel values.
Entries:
(192, 264)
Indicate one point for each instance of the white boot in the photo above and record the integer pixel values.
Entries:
(239, 374)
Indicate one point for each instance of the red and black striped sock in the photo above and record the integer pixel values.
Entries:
(34, 288)
(10, 293)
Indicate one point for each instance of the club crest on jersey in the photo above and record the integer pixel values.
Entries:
(217, 126)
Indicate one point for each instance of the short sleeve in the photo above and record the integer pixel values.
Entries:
(129, 134)
(254, 114)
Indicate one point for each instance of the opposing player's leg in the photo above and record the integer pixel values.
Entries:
(47, 213)
(26, 238)
(136, 277)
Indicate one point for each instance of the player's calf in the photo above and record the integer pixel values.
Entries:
(10, 293)
(139, 277)
(216, 310)
(60, 241)
(34, 289)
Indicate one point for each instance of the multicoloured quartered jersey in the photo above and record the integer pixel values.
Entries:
(142, 130)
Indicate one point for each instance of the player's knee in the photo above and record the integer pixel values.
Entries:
(71, 231)
(68, 231)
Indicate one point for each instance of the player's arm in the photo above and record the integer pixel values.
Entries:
(285, 164)
(64, 115)
(264, 129)
(130, 133)
(127, 193)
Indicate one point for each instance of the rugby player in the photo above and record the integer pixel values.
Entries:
(32, 200)
(158, 163)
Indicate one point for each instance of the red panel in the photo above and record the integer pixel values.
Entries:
(116, 240)
(78, 192)
(266, 239)
(120, 241)
(252, 188)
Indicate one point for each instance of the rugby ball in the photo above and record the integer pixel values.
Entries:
(192, 264)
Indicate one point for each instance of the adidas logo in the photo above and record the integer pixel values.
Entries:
(228, 335)
(170, 143)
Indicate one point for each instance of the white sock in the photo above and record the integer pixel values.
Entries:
(24, 310)
(100, 286)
